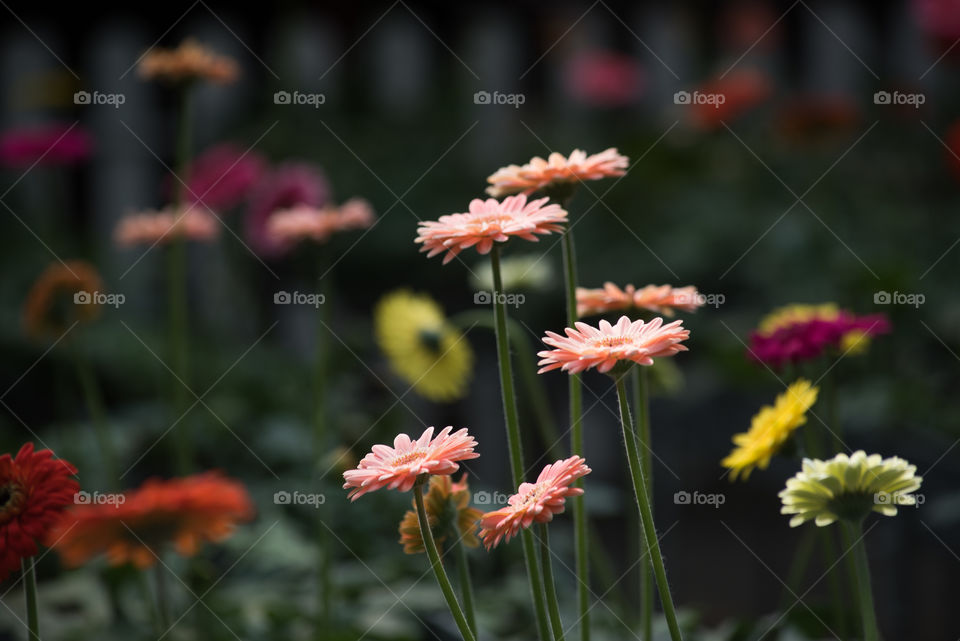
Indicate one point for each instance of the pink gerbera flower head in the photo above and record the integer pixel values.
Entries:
(534, 502)
(662, 299)
(223, 176)
(50, 145)
(290, 226)
(285, 187)
(557, 169)
(606, 346)
(487, 222)
(192, 222)
(398, 467)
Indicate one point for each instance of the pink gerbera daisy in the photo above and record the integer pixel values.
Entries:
(534, 502)
(303, 222)
(587, 346)
(662, 299)
(557, 168)
(487, 222)
(193, 223)
(397, 467)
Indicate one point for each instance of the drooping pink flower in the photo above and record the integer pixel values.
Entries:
(556, 169)
(487, 222)
(193, 223)
(222, 176)
(662, 299)
(397, 467)
(534, 502)
(805, 332)
(285, 187)
(604, 78)
(604, 347)
(51, 145)
(290, 226)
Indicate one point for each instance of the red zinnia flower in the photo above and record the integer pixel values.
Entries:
(34, 488)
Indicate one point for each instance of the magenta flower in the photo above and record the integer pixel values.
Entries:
(285, 187)
(223, 176)
(50, 144)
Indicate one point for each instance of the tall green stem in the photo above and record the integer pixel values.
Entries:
(466, 586)
(642, 407)
(867, 612)
(163, 598)
(576, 446)
(30, 589)
(513, 436)
(94, 401)
(427, 534)
(548, 581)
(646, 514)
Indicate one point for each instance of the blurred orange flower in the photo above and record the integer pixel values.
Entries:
(61, 296)
(189, 61)
(153, 227)
(448, 510)
(742, 90)
(556, 169)
(662, 299)
(136, 526)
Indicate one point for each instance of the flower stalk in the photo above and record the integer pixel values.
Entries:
(30, 590)
(466, 586)
(642, 406)
(868, 614)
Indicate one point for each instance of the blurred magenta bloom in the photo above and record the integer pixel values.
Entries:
(223, 176)
(285, 187)
(809, 339)
(50, 144)
(604, 78)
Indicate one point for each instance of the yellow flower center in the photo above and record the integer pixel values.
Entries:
(615, 341)
(409, 457)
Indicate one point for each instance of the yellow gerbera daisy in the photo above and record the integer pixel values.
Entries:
(849, 487)
(422, 347)
(448, 510)
(770, 429)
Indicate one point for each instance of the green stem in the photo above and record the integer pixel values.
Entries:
(513, 436)
(466, 586)
(799, 565)
(427, 534)
(551, 589)
(163, 602)
(868, 614)
(642, 407)
(646, 515)
(95, 407)
(575, 385)
(30, 589)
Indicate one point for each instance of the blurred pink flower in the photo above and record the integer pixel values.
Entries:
(604, 78)
(939, 19)
(193, 223)
(289, 226)
(51, 144)
(285, 187)
(223, 176)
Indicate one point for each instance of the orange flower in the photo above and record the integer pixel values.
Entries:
(53, 304)
(534, 502)
(289, 226)
(189, 61)
(742, 91)
(137, 525)
(603, 348)
(662, 299)
(487, 222)
(397, 467)
(34, 488)
(192, 222)
(449, 513)
(557, 168)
